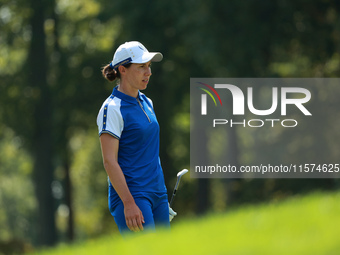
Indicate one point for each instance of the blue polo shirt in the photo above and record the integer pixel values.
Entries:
(133, 122)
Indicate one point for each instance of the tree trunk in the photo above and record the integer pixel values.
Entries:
(232, 190)
(203, 192)
(68, 202)
(42, 148)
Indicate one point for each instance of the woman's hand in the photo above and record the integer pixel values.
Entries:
(133, 217)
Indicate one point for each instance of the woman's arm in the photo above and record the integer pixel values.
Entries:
(133, 215)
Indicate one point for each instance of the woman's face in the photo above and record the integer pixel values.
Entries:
(137, 75)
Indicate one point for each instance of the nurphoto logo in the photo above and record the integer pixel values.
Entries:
(264, 127)
(288, 97)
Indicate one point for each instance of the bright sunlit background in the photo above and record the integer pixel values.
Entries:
(53, 187)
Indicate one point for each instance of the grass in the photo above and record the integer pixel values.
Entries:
(299, 225)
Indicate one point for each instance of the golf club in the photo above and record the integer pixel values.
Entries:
(179, 175)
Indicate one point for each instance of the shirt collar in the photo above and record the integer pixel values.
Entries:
(125, 97)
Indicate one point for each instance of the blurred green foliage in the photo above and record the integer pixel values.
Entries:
(16, 188)
(198, 39)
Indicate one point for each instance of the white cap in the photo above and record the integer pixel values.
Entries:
(133, 52)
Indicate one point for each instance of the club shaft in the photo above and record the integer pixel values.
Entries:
(172, 197)
(175, 190)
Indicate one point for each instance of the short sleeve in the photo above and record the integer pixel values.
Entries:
(109, 119)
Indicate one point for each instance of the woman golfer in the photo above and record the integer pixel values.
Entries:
(129, 137)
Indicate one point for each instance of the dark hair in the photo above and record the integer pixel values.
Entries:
(110, 74)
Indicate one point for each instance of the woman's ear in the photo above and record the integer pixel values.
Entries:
(122, 70)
